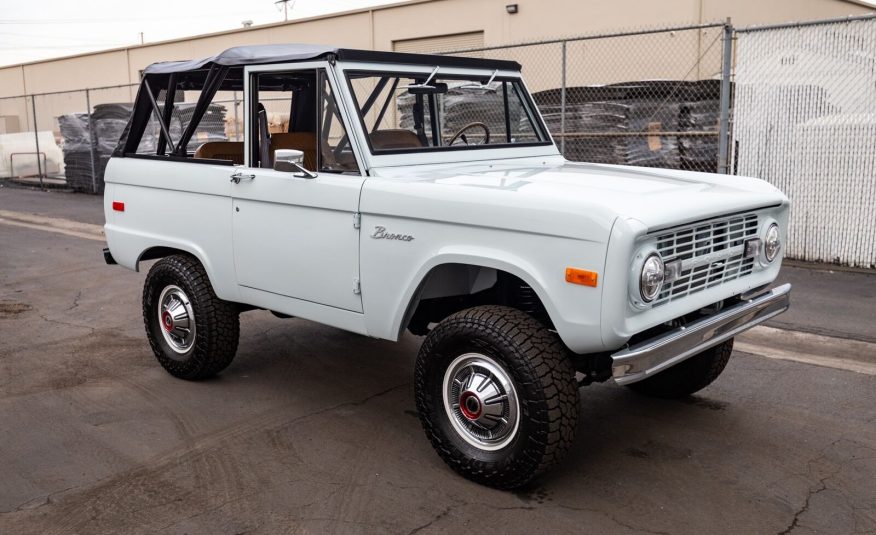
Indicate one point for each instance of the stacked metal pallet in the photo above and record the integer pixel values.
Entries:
(670, 124)
(90, 141)
(699, 118)
(211, 127)
(78, 149)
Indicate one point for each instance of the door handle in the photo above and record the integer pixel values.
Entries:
(238, 176)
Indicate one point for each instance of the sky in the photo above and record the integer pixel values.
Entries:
(38, 29)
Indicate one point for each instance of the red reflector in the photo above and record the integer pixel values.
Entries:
(118, 206)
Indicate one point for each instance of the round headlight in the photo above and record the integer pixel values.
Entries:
(772, 243)
(652, 278)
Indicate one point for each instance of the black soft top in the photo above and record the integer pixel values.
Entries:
(283, 53)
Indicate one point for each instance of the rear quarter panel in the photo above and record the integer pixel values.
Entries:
(182, 205)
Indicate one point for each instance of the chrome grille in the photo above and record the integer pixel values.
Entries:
(695, 244)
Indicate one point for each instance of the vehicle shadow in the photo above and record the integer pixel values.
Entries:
(618, 429)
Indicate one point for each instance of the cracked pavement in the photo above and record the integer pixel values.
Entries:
(313, 429)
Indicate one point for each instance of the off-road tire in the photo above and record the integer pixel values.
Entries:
(217, 321)
(688, 377)
(543, 377)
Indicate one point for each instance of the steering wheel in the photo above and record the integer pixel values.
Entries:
(461, 133)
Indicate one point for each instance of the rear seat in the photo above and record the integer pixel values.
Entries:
(233, 150)
(222, 150)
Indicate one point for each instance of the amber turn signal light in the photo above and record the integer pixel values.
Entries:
(581, 276)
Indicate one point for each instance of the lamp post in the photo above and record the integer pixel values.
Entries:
(286, 7)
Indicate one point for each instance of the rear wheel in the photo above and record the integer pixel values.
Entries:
(688, 377)
(496, 395)
(192, 332)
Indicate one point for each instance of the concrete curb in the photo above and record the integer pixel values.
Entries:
(827, 351)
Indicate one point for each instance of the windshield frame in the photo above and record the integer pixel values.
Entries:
(516, 85)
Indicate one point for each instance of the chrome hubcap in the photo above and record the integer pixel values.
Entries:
(481, 402)
(177, 319)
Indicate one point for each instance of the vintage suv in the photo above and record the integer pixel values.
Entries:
(380, 192)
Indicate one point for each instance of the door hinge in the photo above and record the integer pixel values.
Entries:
(357, 287)
(357, 220)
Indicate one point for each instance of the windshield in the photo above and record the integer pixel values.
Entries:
(418, 112)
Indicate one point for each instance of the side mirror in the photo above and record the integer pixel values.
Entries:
(291, 160)
(289, 156)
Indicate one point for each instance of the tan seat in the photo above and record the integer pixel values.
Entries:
(394, 139)
(222, 150)
(303, 141)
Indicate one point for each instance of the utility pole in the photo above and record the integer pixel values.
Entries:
(286, 7)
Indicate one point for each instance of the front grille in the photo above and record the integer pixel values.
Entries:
(697, 244)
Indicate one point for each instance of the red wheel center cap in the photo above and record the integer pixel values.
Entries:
(167, 321)
(470, 405)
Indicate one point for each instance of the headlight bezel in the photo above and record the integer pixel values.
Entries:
(770, 243)
(653, 264)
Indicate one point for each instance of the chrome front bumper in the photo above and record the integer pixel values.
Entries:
(652, 356)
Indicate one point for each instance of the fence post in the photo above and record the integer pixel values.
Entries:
(236, 123)
(724, 124)
(563, 104)
(36, 137)
(91, 142)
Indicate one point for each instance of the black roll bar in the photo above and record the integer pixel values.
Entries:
(385, 104)
(169, 97)
(157, 113)
(214, 80)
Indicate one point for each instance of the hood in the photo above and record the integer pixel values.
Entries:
(658, 198)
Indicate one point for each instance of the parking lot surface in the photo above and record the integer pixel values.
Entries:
(313, 429)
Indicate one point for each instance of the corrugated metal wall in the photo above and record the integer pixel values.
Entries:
(805, 120)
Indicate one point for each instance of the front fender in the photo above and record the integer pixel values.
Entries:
(392, 273)
(499, 260)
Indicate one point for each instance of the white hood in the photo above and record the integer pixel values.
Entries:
(558, 197)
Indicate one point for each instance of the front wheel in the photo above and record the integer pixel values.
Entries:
(689, 376)
(496, 395)
(192, 332)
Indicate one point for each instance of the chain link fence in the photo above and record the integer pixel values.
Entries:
(801, 99)
(805, 120)
(62, 138)
(646, 97)
(66, 138)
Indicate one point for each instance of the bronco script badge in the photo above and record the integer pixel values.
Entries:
(381, 234)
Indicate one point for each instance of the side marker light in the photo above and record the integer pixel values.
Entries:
(581, 276)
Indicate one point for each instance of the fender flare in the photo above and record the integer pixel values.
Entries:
(498, 259)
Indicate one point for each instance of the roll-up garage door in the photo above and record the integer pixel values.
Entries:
(441, 43)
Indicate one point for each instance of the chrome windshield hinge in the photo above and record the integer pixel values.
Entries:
(357, 220)
(357, 287)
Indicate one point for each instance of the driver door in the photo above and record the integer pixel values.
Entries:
(294, 235)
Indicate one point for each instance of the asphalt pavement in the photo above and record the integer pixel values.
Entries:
(314, 430)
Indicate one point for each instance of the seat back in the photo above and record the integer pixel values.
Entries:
(222, 150)
(303, 141)
(396, 138)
